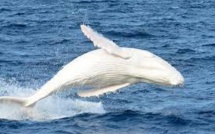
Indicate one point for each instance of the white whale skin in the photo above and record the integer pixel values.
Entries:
(106, 70)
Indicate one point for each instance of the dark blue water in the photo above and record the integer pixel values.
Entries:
(38, 37)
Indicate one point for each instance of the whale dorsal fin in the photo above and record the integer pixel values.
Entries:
(104, 43)
(98, 92)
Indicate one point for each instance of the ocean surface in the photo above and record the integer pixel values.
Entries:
(38, 37)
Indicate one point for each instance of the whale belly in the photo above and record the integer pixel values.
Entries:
(96, 68)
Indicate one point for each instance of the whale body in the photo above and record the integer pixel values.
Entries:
(106, 69)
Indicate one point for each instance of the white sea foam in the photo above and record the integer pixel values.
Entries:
(53, 107)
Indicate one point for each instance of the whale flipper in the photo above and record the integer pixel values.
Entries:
(97, 92)
(14, 100)
(104, 43)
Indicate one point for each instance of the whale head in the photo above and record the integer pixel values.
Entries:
(150, 68)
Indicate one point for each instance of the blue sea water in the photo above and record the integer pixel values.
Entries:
(38, 37)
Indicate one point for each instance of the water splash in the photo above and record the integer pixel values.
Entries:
(52, 107)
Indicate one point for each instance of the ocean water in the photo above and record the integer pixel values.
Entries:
(38, 37)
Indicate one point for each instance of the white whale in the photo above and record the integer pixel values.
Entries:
(106, 69)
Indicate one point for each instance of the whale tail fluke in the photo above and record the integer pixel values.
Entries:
(15, 100)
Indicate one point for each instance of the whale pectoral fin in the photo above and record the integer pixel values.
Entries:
(13, 100)
(104, 43)
(97, 92)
